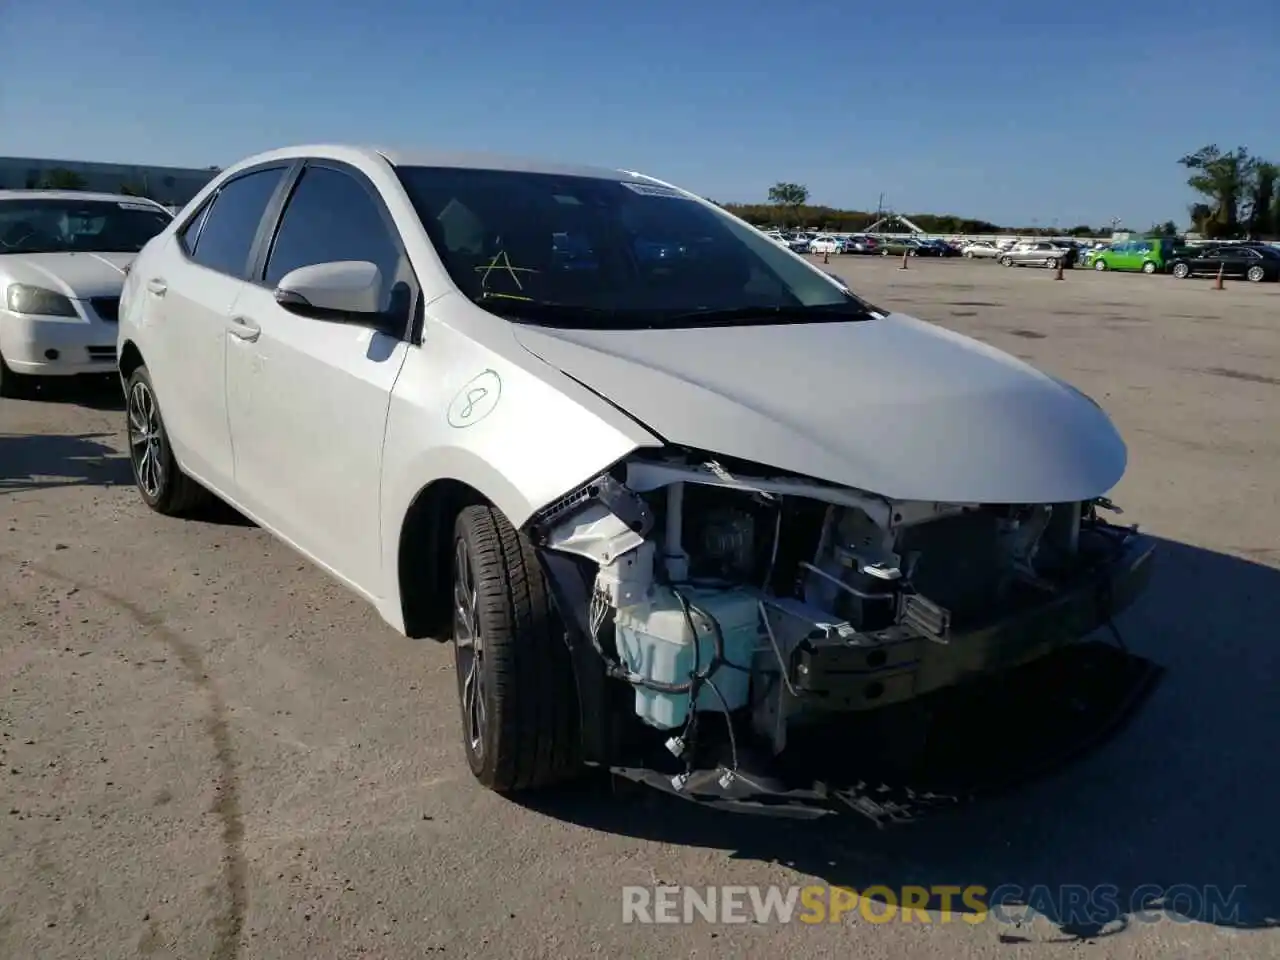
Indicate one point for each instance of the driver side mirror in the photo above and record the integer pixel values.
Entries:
(343, 289)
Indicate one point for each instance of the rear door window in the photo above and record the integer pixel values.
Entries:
(231, 224)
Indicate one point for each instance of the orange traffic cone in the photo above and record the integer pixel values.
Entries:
(904, 261)
(1217, 284)
(1058, 275)
(826, 256)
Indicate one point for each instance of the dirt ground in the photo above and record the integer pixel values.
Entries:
(209, 749)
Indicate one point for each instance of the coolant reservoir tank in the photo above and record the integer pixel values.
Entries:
(655, 642)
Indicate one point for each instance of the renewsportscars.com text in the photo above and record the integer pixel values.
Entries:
(940, 903)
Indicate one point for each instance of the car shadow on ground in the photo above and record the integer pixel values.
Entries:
(1183, 797)
(38, 461)
(93, 392)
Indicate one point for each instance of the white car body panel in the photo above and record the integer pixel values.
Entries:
(326, 433)
(304, 391)
(896, 406)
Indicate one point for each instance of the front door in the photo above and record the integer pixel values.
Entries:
(308, 398)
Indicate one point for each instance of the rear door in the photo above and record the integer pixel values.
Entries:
(191, 287)
(1244, 258)
(308, 398)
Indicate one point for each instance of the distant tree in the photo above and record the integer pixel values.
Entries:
(1224, 180)
(791, 197)
(1261, 201)
(132, 190)
(1082, 230)
(1166, 229)
(61, 179)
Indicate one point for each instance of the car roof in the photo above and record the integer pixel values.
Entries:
(73, 195)
(464, 160)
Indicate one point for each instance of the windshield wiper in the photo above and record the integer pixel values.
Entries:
(570, 315)
(552, 314)
(820, 313)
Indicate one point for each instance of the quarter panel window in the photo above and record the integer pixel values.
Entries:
(231, 224)
(331, 217)
(189, 236)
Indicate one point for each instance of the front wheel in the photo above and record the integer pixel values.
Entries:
(1148, 267)
(160, 481)
(515, 678)
(1051, 263)
(1100, 265)
(1006, 261)
(1256, 274)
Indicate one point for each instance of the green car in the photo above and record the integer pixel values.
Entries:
(1149, 255)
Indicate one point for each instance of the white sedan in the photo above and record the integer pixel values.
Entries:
(635, 488)
(980, 248)
(63, 257)
(826, 244)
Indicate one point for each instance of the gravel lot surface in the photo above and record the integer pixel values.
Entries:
(209, 749)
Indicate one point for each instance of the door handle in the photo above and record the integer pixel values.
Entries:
(244, 329)
(157, 286)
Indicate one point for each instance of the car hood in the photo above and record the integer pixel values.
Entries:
(895, 406)
(76, 275)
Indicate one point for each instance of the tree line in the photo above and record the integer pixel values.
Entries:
(1239, 199)
(788, 208)
(1238, 192)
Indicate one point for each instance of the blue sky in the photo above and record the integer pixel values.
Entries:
(1010, 111)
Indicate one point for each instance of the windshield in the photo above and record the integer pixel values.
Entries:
(592, 252)
(46, 225)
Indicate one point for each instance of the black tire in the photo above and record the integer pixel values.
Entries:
(1149, 267)
(1051, 263)
(1256, 275)
(1181, 271)
(161, 483)
(15, 386)
(528, 734)
(1006, 261)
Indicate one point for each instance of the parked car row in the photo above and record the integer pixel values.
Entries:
(1255, 261)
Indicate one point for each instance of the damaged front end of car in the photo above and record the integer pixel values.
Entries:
(761, 642)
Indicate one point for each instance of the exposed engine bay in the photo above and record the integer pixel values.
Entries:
(718, 613)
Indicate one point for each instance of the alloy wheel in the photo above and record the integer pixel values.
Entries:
(468, 644)
(146, 446)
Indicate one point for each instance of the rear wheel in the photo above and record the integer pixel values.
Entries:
(160, 481)
(15, 386)
(1148, 267)
(1006, 261)
(1181, 271)
(1256, 274)
(1052, 263)
(1100, 265)
(515, 679)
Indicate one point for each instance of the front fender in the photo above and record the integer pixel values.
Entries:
(497, 419)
